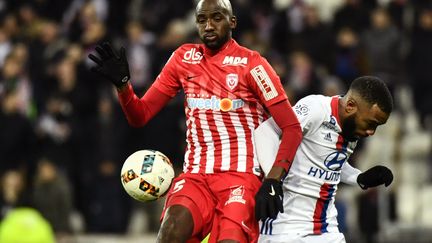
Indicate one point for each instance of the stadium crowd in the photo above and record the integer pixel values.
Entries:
(63, 137)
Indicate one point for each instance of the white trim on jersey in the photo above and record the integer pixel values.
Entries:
(251, 125)
(208, 140)
(188, 133)
(242, 147)
(197, 151)
(224, 135)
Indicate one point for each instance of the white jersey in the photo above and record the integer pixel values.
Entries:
(319, 165)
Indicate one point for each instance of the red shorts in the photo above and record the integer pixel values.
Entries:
(221, 204)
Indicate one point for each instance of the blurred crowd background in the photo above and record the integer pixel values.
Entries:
(63, 136)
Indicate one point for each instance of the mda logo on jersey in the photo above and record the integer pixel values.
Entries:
(335, 160)
(192, 56)
(234, 61)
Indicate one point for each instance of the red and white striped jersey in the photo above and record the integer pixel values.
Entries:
(225, 96)
(320, 164)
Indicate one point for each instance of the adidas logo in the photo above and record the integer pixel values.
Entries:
(328, 137)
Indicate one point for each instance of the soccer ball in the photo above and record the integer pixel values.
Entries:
(147, 175)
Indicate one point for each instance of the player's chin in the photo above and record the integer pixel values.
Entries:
(212, 44)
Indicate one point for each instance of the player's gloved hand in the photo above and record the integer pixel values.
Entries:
(269, 199)
(111, 66)
(375, 176)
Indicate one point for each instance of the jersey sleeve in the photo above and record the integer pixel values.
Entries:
(264, 81)
(267, 140)
(349, 174)
(168, 81)
(309, 113)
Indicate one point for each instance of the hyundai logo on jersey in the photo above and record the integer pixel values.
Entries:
(324, 174)
(335, 160)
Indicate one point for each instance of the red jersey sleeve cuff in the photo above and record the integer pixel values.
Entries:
(126, 94)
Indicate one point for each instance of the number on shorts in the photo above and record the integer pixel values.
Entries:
(178, 185)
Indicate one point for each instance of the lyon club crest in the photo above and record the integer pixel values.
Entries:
(232, 80)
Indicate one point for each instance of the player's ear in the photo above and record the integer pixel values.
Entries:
(351, 106)
(233, 22)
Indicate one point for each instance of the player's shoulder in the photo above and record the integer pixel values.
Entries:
(317, 105)
(244, 51)
(315, 99)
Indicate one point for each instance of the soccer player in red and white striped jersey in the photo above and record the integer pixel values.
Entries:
(229, 91)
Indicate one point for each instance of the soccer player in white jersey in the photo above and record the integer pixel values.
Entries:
(331, 127)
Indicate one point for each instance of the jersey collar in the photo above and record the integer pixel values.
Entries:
(334, 104)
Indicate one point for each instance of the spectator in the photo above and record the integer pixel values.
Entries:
(352, 15)
(52, 196)
(420, 62)
(13, 192)
(108, 208)
(16, 131)
(381, 44)
(302, 76)
(139, 43)
(349, 62)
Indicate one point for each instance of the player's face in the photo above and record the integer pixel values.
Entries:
(363, 122)
(214, 24)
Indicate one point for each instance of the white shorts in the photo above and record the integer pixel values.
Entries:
(289, 238)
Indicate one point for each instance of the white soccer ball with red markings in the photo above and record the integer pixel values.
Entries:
(147, 175)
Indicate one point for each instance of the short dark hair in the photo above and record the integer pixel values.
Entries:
(374, 91)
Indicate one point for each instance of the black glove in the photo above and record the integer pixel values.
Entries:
(269, 200)
(375, 176)
(111, 66)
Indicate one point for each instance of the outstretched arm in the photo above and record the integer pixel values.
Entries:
(349, 174)
(291, 136)
(269, 197)
(375, 176)
(115, 68)
(139, 111)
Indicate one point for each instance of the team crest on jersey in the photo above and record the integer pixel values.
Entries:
(232, 80)
(236, 195)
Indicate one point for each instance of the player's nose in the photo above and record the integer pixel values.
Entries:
(209, 25)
